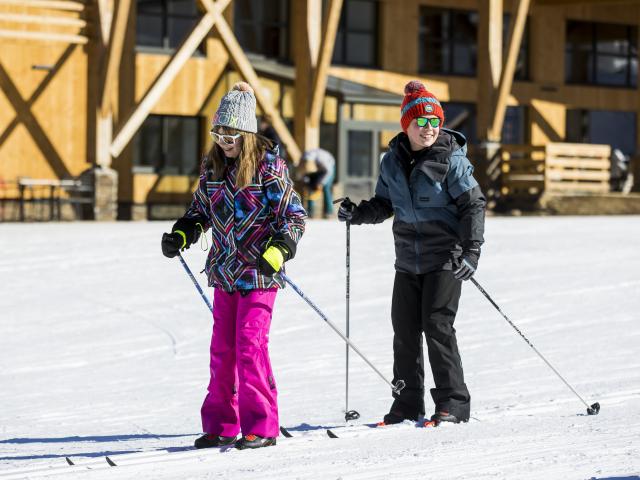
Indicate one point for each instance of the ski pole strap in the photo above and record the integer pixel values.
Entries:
(195, 282)
(399, 384)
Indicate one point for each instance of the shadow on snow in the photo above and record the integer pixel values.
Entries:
(105, 438)
(100, 438)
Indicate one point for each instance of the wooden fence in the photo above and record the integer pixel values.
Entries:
(528, 171)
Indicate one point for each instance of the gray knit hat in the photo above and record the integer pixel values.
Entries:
(238, 109)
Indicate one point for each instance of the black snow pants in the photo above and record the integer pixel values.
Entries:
(427, 303)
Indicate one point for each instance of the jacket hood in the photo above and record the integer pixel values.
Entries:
(433, 161)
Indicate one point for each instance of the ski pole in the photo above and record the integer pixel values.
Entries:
(195, 282)
(349, 414)
(399, 384)
(591, 410)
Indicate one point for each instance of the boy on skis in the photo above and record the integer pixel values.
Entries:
(426, 182)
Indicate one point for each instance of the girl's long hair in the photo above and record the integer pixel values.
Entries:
(253, 148)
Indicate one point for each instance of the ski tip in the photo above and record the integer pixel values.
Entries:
(110, 462)
(69, 461)
(430, 424)
(285, 432)
(331, 434)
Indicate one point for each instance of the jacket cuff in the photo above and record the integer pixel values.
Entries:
(285, 242)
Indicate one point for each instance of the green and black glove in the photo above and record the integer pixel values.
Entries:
(273, 258)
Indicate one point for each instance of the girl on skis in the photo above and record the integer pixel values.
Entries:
(246, 199)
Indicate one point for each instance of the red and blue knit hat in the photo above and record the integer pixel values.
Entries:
(418, 102)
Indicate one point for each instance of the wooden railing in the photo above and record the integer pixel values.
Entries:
(528, 171)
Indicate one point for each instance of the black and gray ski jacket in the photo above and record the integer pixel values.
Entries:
(438, 205)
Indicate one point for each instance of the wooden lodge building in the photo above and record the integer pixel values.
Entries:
(105, 105)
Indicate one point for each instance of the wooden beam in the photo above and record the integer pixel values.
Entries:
(45, 36)
(321, 73)
(67, 5)
(516, 30)
(244, 67)
(114, 51)
(43, 20)
(30, 121)
(306, 37)
(105, 18)
(164, 79)
(490, 16)
(562, 3)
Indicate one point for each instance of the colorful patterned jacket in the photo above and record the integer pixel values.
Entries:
(242, 221)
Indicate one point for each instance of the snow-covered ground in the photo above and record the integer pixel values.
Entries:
(104, 351)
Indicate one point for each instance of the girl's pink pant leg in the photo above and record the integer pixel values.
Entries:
(242, 394)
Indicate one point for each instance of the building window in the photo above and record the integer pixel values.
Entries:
(601, 54)
(514, 128)
(168, 145)
(617, 129)
(447, 41)
(357, 36)
(262, 27)
(164, 24)
(360, 149)
(522, 62)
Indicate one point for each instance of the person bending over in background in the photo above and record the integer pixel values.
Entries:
(256, 219)
(427, 182)
(322, 178)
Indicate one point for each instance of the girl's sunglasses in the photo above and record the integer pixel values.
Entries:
(422, 122)
(225, 139)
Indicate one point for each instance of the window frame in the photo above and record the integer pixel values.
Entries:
(159, 165)
(595, 53)
(165, 18)
(450, 40)
(283, 27)
(342, 34)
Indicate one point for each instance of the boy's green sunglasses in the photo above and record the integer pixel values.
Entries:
(422, 122)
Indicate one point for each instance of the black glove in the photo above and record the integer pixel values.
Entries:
(347, 210)
(172, 243)
(183, 234)
(273, 258)
(191, 229)
(468, 263)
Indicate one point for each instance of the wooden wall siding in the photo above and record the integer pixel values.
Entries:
(460, 89)
(151, 187)
(373, 113)
(190, 89)
(43, 113)
(398, 22)
(48, 21)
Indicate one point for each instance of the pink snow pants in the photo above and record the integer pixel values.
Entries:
(242, 393)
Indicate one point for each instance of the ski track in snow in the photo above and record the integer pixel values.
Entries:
(104, 351)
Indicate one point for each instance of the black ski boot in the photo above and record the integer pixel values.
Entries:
(439, 417)
(254, 441)
(393, 418)
(210, 441)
